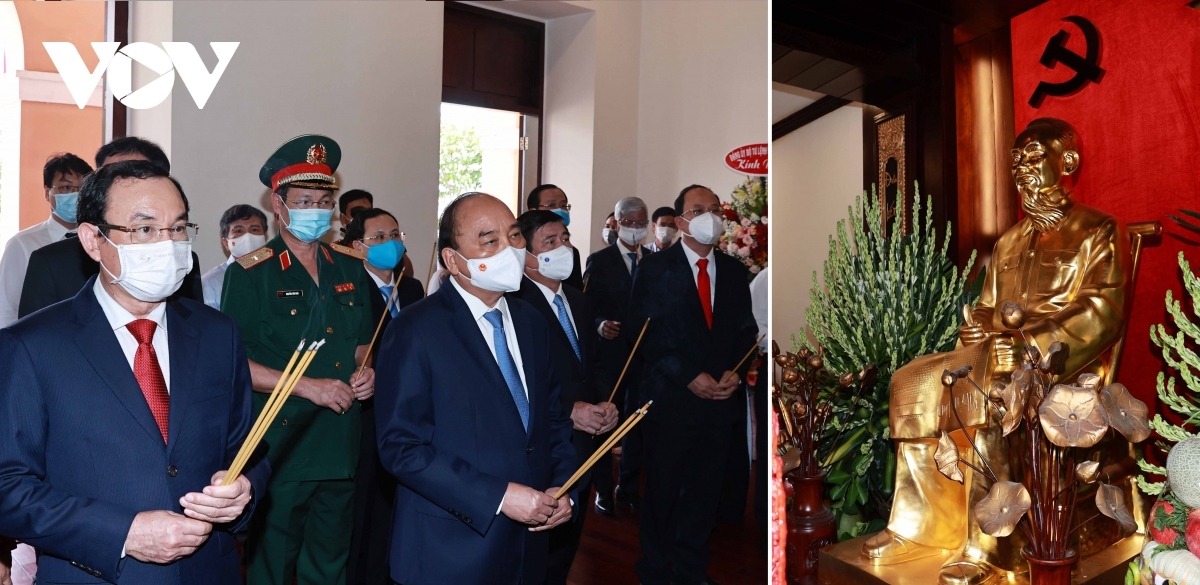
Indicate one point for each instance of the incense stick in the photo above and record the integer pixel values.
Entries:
(242, 454)
(630, 359)
(745, 357)
(612, 440)
(586, 280)
(387, 307)
(432, 263)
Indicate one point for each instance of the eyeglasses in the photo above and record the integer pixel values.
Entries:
(63, 189)
(694, 213)
(564, 206)
(309, 204)
(147, 234)
(629, 223)
(381, 238)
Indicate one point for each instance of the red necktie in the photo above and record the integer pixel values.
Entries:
(705, 288)
(149, 374)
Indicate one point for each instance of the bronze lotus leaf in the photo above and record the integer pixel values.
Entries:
(1088, 471)
(1055, 359)
(1110, 501)
(792, 460)
(846, 380)
(790, 376)
(946, 457)
(1125, 413)
(1012, 315)
(1000, 510)
(774, 348)
(868, 375)
(1089, 380)
(1015, 396)
(1072, 416)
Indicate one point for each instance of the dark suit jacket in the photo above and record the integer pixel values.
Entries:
(608, 286)
(58, 271)
(576, 377)
(81, 455)
(410, 291)
(450, 433)
(576, 279)
(679, 345)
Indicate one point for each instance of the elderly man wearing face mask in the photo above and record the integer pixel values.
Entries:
(609, 277)
(297, 288)
(120, 411)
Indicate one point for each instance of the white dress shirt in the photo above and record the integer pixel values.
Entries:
(478, 309)
(213, 281)
(550, 295)
(380, 283)
(119, 318)
(625, 252)
(712, 272)
(15, 262)
(758, 303)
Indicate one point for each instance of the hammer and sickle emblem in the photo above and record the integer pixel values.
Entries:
(1086, 67)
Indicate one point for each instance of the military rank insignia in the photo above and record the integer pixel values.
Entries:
(344, 287)
(256, 257)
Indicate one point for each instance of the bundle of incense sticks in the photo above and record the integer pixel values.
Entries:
(387, 308)
(612, 440)
(283, 388)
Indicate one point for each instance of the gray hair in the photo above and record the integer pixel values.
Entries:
(628, 206)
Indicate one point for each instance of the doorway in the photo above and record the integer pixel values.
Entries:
(481, 150)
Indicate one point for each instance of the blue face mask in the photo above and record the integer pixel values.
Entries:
(385, 256)
(65, 206)
(564, 214)
(308, 225)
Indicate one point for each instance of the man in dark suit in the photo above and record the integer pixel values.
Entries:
(701, 325)
(375, 235)
(551, 198)
(115, 439)
(610, 278)
(469, 418)
(58, 271)
(572, 349)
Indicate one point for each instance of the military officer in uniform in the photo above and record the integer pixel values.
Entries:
(296, 288)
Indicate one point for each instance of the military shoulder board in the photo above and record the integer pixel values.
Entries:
(348, 251)
(256, 257)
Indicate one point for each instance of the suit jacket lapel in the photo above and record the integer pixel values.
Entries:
(184, 342)
(683, 270)
(476, 349)
(99, 345)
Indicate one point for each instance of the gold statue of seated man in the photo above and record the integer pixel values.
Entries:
(1067, 265)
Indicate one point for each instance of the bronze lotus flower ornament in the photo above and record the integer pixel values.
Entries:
(1111, 502)
(1072, 416)
(946, 457)
(1088, 471)
(1012, 315)
(1125, 413)
(1003, 506)
(1014, 396)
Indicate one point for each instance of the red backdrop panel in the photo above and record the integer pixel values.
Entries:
(1139, 136)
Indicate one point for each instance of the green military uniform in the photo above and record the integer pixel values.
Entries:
(302, 526)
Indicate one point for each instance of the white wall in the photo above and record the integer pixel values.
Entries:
(702, 93)
(816, 172)
(153, 22)
(367, 74)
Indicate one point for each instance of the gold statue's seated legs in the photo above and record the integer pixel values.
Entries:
(928, 512)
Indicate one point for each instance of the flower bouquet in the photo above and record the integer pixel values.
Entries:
(745, 217)
(1060, 420)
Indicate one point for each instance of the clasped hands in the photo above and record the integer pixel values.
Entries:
(595, 419)
(337, 395)
(161, 536)
(537, 509)
(707, 388)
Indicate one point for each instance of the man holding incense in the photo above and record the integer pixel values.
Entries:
(469, 416)
(297, 288)
(120, 412)
(701, 326)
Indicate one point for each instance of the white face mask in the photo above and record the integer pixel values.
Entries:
(706, 228)
(245, 243)
(632, 236)
(557, 264)
(152, 272)
(500, 273)
(665, 234)
(608, 235)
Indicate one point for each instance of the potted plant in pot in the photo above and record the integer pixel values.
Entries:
(803, 400)
(1059, 422)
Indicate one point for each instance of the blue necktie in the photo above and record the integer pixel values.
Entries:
(565, 321)
(508, 366)
(387, 296)
(633, 264)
